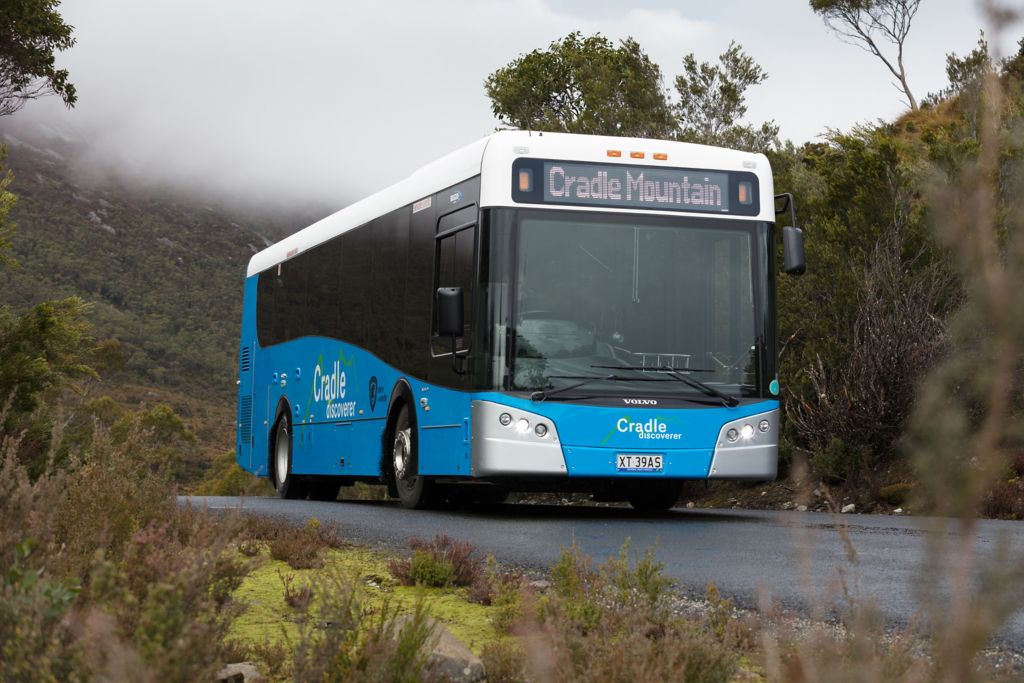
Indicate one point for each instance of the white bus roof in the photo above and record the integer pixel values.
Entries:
(491, 158)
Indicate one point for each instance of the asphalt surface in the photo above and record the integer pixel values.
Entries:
(795, 558)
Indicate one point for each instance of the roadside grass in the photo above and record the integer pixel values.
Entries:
(268, 617)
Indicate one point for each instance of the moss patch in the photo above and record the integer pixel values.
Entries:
(267, 615)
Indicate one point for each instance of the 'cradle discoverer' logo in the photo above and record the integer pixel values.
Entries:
(331, 388)
(651, 429)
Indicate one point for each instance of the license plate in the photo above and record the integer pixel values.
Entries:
(637, 463)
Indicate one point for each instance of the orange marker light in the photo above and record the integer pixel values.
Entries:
(745, 193)
(525, 180)
(659, 156)
(636, 155)
(614, 153)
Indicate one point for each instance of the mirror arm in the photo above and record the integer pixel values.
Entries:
(787, 205)
(455, 365)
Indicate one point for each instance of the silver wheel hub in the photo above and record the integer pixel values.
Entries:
(281, 458)
(402, 453)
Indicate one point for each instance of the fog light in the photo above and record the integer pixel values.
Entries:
(523, 425)
(505, 419)
(541, 430)
(748, 432)
(732, 435)
(764, 425)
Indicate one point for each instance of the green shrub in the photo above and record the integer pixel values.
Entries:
(426, 569)
(504, 662)
(332, 648)
(895, 494)
(837, 461)
(226, 478)
(595, 616)
(440, 563)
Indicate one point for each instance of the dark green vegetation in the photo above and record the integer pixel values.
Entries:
(31, 33)
(588, 85)
(163, 273)
(110, 291)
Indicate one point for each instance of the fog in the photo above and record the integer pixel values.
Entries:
(319, 103)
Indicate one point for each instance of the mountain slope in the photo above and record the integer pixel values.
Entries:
(164, 271)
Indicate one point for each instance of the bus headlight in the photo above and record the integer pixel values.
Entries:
(523, 425)
(505, 419)
(732, 435)
(764, 425)
(747, 432)
(541, 430)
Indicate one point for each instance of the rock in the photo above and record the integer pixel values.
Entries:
(764, 493)
(898, 511)
(788, 505)
(801, 508)
(690, 505)
(240, 672)
(540, 585)
(732, 501)
(450, 659)
(817, 493)
(850, 507)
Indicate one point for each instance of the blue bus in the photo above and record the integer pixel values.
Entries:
(533, 312)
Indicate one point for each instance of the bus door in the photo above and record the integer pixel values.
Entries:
(444, 429)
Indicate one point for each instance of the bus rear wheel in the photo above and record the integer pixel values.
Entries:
(413, 489)
(287, 484)
(655, 496)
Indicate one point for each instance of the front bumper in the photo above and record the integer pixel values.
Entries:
(504, 451)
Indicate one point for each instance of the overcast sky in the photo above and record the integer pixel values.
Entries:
(328, 100)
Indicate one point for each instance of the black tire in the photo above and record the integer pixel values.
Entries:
(324, 488)
(655, 496)
(414, 491)
(288, 485)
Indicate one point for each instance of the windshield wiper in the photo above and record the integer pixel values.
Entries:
(587, 379)
(727, 400)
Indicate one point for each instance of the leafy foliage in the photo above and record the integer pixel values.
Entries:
(41, 349)
(582, 85)
(712, 102)
(31, 32)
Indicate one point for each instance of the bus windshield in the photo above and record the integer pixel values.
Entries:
(642, 298)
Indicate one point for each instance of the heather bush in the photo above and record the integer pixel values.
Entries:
(300, 547)
(123, 584)
(337, 646)
(296, 597)
(597, 615)
(440, 563)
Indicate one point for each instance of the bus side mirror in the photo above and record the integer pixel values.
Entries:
(793, 251)
(449, 312)
(450, 322)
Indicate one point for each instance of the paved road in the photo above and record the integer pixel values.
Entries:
(795, 557)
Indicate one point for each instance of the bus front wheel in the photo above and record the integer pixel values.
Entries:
(655, 496)
(413, 489)
(287, 484)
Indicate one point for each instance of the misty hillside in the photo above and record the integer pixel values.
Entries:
(163, 270)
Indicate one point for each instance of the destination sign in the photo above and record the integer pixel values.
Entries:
(639, 187)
